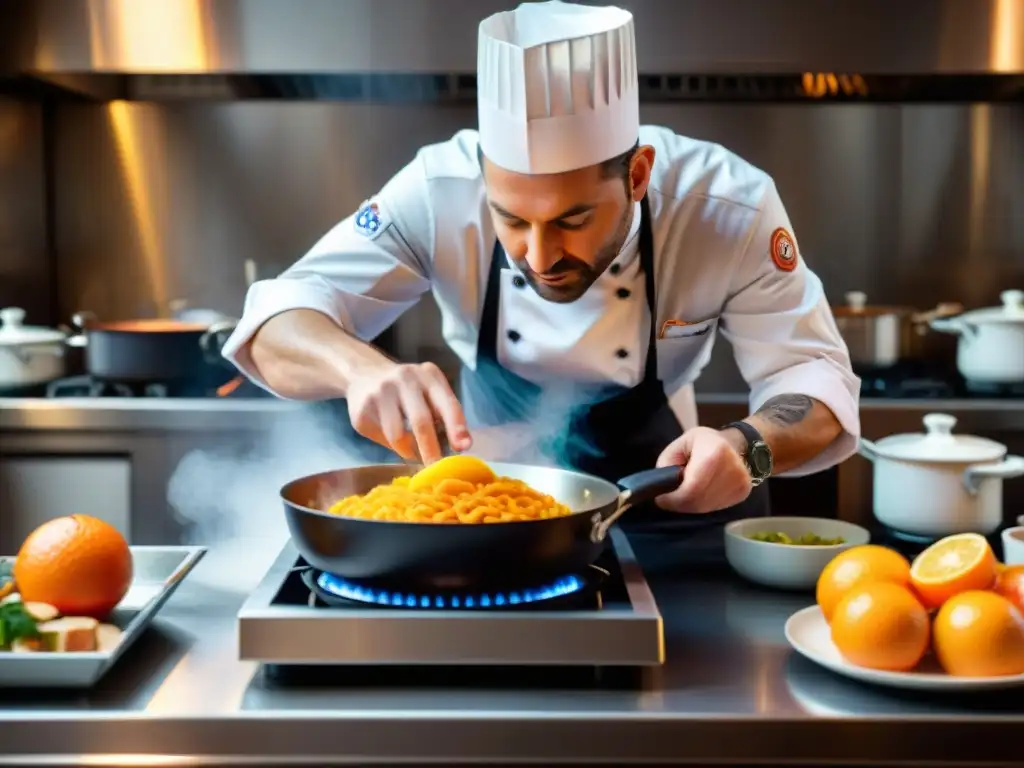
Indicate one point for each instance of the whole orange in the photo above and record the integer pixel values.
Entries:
(881, 625)
(858, 565)
(1010, 584)
(979, 634)
(80, 565)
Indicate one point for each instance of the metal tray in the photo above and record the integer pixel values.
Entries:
(158, 572)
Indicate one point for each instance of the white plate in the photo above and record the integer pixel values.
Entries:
(808, 633)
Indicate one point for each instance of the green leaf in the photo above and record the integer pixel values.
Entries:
(15, 623)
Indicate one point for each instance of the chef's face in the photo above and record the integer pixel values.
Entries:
(563, 230)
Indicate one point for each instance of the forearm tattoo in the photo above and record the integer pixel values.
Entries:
(786, 410)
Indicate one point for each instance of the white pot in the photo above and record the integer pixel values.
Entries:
(29, 355)
(991, 346)
(937, 484)
(1013, 543)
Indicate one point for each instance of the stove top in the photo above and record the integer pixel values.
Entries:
(89, 386)
(911, 545)
(298, 616)
(910, 380)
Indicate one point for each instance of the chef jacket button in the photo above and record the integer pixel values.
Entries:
(519, 281)
(621, 353)
(513, 336)
(622, 293)
(614, 269)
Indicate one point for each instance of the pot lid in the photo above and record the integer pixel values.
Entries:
(938, 443)
(13, 332)
(1012, 310)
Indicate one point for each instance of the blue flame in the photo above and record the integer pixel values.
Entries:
(348, 590)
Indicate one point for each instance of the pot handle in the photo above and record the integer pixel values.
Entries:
(953, 325)
(867, 449)
(80, 322)
(1009, 467)
(214, 339)
(636, 489)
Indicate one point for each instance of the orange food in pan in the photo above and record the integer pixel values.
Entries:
(451, 500)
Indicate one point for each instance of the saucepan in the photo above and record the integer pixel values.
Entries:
(990, 349)
(882, 336)
(147, 350)
(457, 555)
(938, 483)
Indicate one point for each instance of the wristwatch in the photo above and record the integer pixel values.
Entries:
(758, 455)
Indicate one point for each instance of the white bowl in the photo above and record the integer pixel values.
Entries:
(787, 566)
(1013, 545)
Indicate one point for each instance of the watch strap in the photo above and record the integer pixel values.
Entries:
(747, 430)
(753, 437)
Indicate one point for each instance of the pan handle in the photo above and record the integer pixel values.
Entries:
(637, 489)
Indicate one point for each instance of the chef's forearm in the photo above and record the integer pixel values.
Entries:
(796, 427)
(304, 355)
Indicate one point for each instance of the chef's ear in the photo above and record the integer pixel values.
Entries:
(640, 166)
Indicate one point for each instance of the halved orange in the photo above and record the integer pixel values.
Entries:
(951, 566)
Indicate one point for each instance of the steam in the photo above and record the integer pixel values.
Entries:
(228, 499)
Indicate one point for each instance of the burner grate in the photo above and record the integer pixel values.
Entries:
(92, 387)
(87, 386)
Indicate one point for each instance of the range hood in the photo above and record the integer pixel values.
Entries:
(313, 49)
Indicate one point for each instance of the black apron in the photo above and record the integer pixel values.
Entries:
(617, 432)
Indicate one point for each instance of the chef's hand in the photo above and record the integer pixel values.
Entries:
(715, 475)
(401, 406)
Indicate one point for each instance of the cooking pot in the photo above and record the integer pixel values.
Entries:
(991, 345)
(881, 336)
(153, 350)
(29, 355)
(937, 484)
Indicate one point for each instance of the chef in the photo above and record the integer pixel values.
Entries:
(584, 265)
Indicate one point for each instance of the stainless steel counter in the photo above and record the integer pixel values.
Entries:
(118, 414)
(731, 693)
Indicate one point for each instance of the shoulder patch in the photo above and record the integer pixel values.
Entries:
(370, 221)
(783, 250)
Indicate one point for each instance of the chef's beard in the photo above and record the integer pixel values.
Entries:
(580, 275)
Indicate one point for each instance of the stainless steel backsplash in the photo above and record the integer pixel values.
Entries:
(26, 275)
(912, 204)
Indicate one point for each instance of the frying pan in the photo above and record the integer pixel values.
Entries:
(441, 556)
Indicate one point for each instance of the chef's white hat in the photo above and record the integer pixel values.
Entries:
(557, 86)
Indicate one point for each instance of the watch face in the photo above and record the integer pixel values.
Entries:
(760, 459)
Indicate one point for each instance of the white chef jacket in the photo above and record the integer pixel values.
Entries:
(715, 220)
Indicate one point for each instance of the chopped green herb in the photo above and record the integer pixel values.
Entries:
(806, 540)
(16, 623)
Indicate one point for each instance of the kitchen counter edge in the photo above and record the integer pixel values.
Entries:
(176, 414)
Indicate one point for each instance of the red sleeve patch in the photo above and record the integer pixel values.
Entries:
(783, 250)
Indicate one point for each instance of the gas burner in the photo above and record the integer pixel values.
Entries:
(996, 390)
(905, 389)
(87, 386)
(337, 591)
(911, 544)
(907, 380)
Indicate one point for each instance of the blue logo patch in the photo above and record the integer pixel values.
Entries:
(369, 221)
